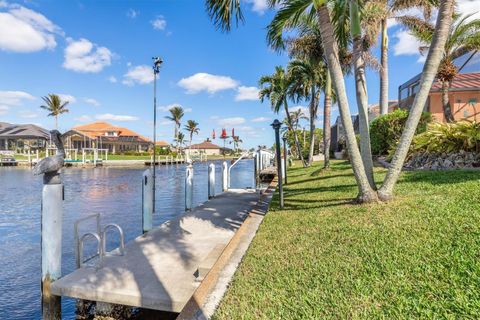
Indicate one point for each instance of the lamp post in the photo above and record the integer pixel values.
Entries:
(156, 70)
(284, 138)
(276, 126)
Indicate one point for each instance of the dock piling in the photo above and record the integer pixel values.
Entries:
(211, 181)
(224, 176)
(189, 187)
(51, 239)
(147, 200)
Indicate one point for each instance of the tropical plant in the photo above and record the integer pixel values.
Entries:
(176, 114)
(449, 138)
(277, 88)
(54, 105)
(386, 130)
(223, 12)
(463, 37)
(180, 140)
(236, 141)
(192, 127)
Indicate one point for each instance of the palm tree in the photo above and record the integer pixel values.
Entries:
(176, 114)
(180, 140)
(307, 79)
(236, 141)
(463, 37)
(192, 127)
(55, 106)
(277, 88)
(224, 11)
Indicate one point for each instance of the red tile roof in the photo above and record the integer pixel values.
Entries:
(162, 143)
(205, 145)
(463, 81)
(99, 128)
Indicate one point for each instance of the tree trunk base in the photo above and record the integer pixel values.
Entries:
(369, 197)
(385, 196)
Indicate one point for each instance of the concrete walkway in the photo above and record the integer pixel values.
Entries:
(162, 269)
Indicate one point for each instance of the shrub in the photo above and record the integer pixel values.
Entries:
(449, 138)
(386, 130)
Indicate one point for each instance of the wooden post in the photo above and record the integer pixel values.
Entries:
(189, 188)
(224, 176)
(147, 201)
(211, 181)
(51, 239)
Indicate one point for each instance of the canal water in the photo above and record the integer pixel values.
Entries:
(115, 193)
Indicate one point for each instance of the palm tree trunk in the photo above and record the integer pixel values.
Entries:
(361, 92)
(447, 109)
(295, 136)
(56, 122)
(326, 121)
(435, 54)
(313, 116)
(384, 70)
(366, 193)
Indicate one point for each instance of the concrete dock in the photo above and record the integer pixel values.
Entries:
(162, 269)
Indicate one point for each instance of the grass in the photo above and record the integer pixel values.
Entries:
(324, 257)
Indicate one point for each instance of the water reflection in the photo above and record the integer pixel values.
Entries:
(113, 192)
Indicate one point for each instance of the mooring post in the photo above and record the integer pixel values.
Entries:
(276, 126)
(211, 181)
(189, 187)
(224, 176)
(37, 155)
(51, 239)
(147, 200)
(255, 170)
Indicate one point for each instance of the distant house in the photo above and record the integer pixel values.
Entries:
(206, 147)
(22, 136)
(374, 109)
(162, 144)
(104, 135)
(338, 133)
(464, 94)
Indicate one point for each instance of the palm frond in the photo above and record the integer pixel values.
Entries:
(222, 12)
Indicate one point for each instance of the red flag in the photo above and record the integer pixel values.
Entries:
(213, 134)
(233, 132)
(224, 134)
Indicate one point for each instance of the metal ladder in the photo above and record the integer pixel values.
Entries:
(101, 237)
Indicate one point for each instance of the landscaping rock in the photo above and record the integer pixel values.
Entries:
(444, 161)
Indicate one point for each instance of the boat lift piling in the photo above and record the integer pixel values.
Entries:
(211, 181)
(189, 187)
(51, 239)
(224, 176)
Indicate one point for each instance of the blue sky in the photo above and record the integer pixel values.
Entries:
(97, 54)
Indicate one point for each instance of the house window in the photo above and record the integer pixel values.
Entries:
(111, 134)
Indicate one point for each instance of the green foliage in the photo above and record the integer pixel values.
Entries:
(386, 130)
(449, 137)
(304, 146)
(324, 257)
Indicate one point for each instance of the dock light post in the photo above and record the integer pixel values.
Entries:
(157, 62)
(211, 181)
(284, 138)
(189, 187)
(276, 126)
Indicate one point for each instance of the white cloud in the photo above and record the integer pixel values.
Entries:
(115, 117)
(27, 114)
(305, 110)
(207, 82)
(25, 30)
(469, 7)
(84, 118)
(112, 79)
(4, 110)
(261, 119)
(85, 56)
(247, 93)
(248, 132)
(229, 122)
(92, 102)
(142, 74)
(258, 6)
(67, 97)
(132, 14)
(159, 23)
(406, 44)
(170, 106)
(14, 98)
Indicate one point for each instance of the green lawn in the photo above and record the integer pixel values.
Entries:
(325, 257)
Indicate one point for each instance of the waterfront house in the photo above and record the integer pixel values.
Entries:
(374, 109)
(206, 147)
(22, 136)
(337, 132)
(103, 135)
(464, 92)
